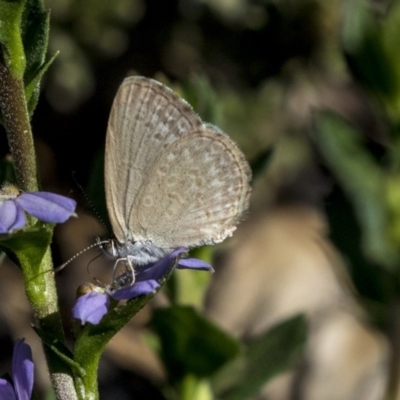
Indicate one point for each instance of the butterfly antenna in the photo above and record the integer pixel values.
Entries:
(62, 266)
(89, 201)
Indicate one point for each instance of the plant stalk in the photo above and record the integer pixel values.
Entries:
(39, 284)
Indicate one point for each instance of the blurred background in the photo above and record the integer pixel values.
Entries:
(310, 91)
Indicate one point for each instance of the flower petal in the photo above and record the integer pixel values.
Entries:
(91, 307)
(47, 207)
(157, 270)
(6, 390)
(137, 289)
(194, 263)
(11, 216)
(22, 370)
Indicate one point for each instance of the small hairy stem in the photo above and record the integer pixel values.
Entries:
(17, 124)
(39, 284)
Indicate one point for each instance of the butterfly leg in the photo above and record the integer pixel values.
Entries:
(128, 277)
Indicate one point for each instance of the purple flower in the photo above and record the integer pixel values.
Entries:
(92, 306)
(11, 216)
(45, 206)
(22, 374)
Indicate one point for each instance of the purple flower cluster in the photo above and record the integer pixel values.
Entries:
(92, 306)
(45, 206)
(22, 374)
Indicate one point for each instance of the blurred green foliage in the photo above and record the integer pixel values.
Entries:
(274, 352)
(24, 35)
(190, 344)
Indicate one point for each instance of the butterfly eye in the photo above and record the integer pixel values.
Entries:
(110, 248)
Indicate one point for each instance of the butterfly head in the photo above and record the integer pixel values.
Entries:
(140, 252)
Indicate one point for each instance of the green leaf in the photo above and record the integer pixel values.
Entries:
(270, 354)
(191, 344)
(32, 90)
(35, 36)
(10, 36)
(61, 351)
(362, 39)
(92, 340)
(24, 33)
(371, 46)
(362, 179)
(27, 247)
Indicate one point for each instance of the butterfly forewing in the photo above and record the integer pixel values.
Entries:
(145, 118)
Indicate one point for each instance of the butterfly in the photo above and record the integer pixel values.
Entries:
(171, 180)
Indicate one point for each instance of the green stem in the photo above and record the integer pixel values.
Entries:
(17, 124)
(39, 283)
(41, 292)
